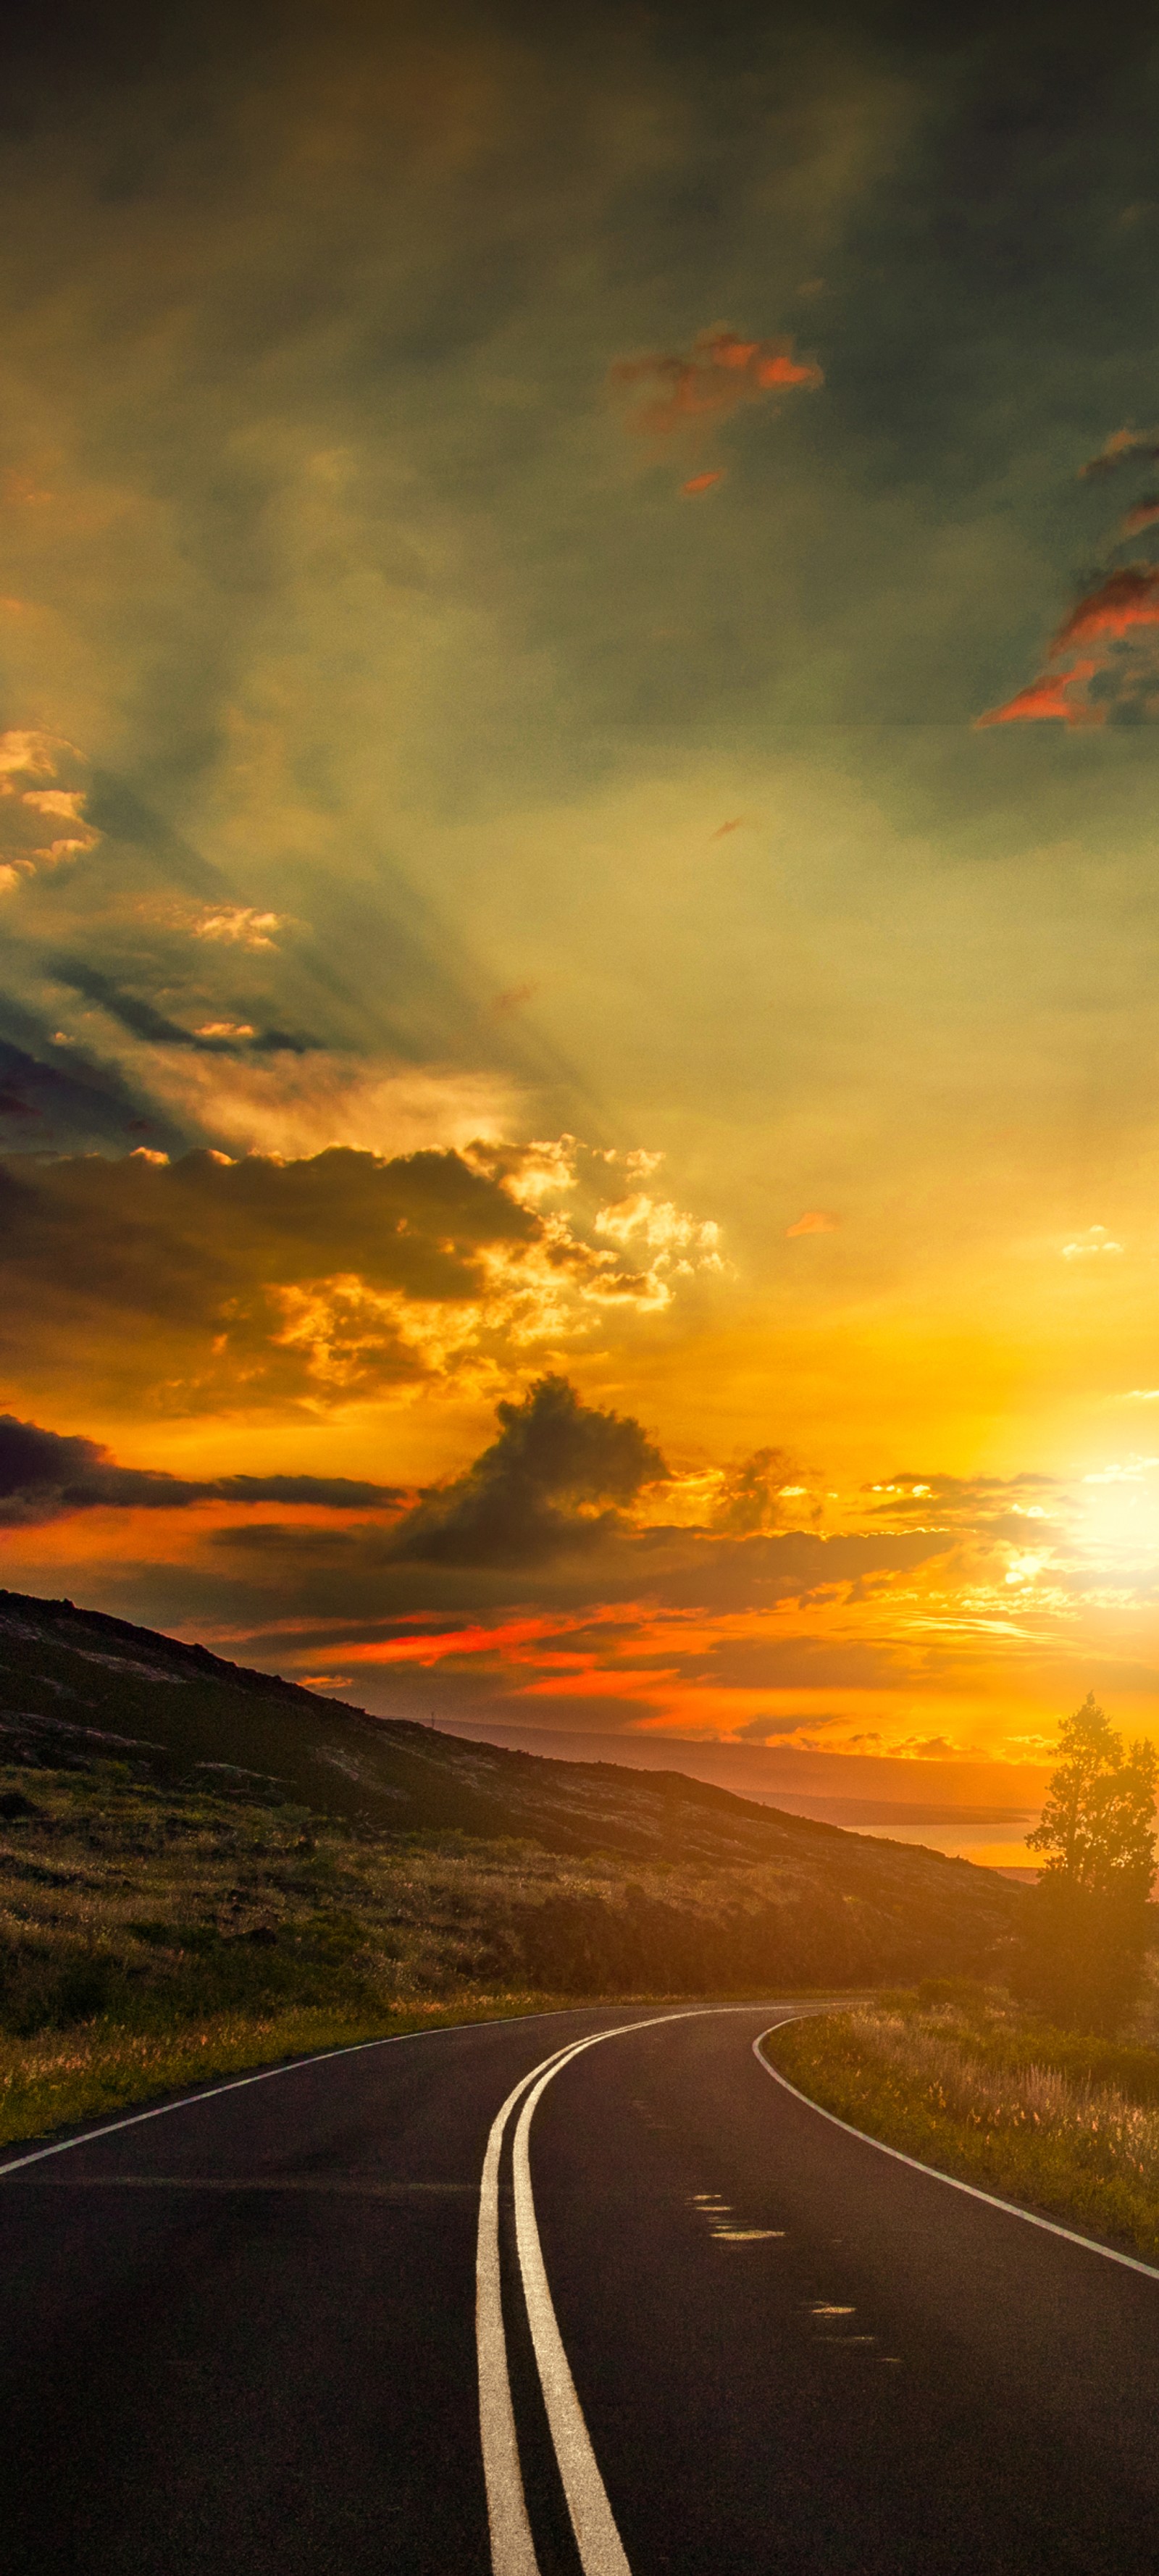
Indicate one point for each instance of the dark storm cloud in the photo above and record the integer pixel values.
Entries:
(48, 1475)
(554, 1480)
(506, 1538)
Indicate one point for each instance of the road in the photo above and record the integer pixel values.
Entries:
(241, 2338)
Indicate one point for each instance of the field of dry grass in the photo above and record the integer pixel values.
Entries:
(150, 1938)
(1066, 2126)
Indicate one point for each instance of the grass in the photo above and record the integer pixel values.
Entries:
(155, 1933)
(61, 2080)
(154, 1938)
(1065, 2125)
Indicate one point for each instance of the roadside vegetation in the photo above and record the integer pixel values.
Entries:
(149, 1941)
(1088, 1922)
(964, 2081)
(1047, 2094)
(153, 1937)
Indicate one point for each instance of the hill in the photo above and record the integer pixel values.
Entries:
(574, 1877)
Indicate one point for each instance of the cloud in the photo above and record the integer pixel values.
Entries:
(259, 1281)
(987, 1503)
(48, 1475)
(722, 371)
(1119, 617)
(753, 1494)
(1091, 1245)
(239, 925)
(767, 1730)
(1046, 699)
(556, 1478)
(1116, 608)
(1131, 1472)
(1123, 447)
(664, 1228)
(1116, 620)
(77, 1104)
(814, 1221)
(43, 791)
(294, 1104)
(703, 482)
(141, 1018)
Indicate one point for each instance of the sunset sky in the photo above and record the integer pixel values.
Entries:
(579, 673)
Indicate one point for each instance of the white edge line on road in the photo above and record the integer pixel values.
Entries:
(1050, 2226)
(597, 2539)
(263, 2074)
(319, 2057)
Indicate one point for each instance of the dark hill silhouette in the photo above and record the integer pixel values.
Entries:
(78, 1687)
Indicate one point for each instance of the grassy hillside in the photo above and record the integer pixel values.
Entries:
(186, 1846)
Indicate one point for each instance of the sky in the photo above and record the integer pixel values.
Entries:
(579, 668)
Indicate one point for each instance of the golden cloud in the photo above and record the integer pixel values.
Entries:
(239, 925)
(41, 824)
(206, 1281)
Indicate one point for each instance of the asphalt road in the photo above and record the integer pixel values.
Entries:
(243, 2336)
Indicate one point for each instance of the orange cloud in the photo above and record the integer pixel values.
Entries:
(42, 822)
(1046, 697)
(1119, 448)
(1120, 610)
(814, 1221)
(476, 1639)
(239, 924)
(1120, 604)
(703, 482)
(721, 372)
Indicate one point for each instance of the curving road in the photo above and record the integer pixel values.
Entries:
(489, 2303)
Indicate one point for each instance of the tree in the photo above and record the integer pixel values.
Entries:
(1087, 1917)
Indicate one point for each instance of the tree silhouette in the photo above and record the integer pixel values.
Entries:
(1087, 1918)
